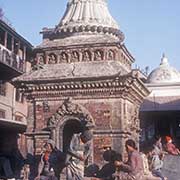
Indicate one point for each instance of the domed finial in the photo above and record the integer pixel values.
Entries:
(164, 60)
(88, 12)
(163, 55)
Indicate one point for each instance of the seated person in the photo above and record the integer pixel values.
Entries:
(147, 173)
(133, 169)
(107, 171)
(170, 147)
(156, 164)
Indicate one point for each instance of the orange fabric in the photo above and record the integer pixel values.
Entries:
(46, 156)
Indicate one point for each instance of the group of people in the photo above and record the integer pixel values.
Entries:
(139, 166)
(146, 165)
(54, 161)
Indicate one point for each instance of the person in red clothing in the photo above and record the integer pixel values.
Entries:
(170, 147)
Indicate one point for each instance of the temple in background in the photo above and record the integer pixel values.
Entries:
(160, 111)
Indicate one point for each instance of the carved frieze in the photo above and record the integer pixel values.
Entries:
(111, 55)
(75, 57)
(64, 57)
(87, 56)
(52, 58)
(98, 55)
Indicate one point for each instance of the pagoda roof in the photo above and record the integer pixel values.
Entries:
(72, 71)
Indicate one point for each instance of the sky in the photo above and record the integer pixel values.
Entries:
(151, 27)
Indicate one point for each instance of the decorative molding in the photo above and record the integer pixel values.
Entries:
(68, 108)
(126, 87)
(76, 55)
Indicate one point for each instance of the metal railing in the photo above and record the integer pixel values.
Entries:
(11, 59)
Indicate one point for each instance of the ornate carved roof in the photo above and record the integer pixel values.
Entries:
(164, 73)
(76, 70)
(84, 19)
(87, 12)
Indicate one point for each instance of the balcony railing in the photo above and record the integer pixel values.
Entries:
(11, 59)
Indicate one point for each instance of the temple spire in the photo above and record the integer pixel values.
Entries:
(164, 60)
(87, 12)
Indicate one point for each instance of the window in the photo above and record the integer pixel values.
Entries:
(2, 88)
(18, 118)
(19, 96)
(2, 114)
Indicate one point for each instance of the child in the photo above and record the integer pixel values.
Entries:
(156, 164)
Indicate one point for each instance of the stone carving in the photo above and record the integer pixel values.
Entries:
(99, 16)
(98, 55)
(111, 55)
(38, 63)
(40, 60)
(75, 56)
(134, 124)
(63, 57)
(71, 109)
(86, 56)
(52, 59)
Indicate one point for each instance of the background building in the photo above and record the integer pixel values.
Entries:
(160, 111)
(15, 52)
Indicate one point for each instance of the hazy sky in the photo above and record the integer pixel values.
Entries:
(151, 27)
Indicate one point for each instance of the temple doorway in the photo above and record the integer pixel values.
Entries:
(71, 127)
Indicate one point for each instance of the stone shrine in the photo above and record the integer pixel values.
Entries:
(82, 74)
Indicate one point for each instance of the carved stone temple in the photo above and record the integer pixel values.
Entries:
(82, 75)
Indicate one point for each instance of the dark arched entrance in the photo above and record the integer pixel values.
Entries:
(71, 127)
(69, 118)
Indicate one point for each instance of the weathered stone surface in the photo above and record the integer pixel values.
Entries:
(74, 71)
(171, 167)
(79, 40)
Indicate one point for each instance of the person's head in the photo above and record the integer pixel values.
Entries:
(151, 151)
(49, 145)
(130, 145)
(86, 136)
(158, 138)
(168, 139)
